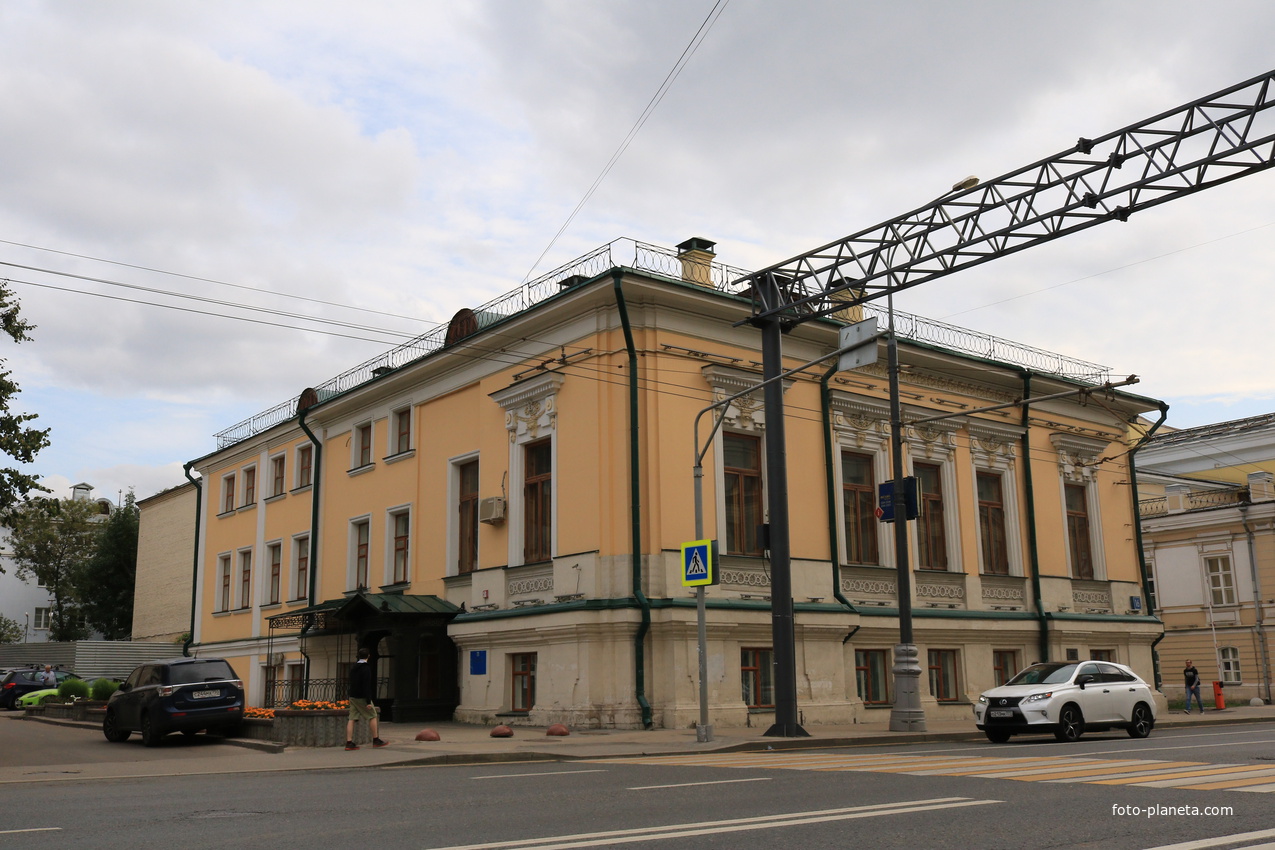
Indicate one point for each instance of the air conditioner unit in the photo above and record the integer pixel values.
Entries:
(492, 510)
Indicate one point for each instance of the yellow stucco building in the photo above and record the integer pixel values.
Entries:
(496, 510)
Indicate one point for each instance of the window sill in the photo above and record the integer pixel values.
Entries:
(270, 606)
(302, 488)
(397, 587)
(230, 512)
(276, 497)
(400, 456)
(246, 507)
(514, 713)
(359, 470)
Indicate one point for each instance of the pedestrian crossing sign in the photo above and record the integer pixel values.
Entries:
(699, 563)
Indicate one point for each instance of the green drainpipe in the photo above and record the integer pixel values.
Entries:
(194, 584)
(1033, 550)
(635, 509)
(1137, 535)
(825, 409)
(316, 477)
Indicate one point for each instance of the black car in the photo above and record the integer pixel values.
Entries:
(176, 695)
(24, 680)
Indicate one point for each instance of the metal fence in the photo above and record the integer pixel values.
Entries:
(665, 262)
(281, 694)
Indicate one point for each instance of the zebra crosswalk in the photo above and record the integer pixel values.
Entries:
(1150, 773)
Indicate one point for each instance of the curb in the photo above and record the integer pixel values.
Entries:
(246, 743)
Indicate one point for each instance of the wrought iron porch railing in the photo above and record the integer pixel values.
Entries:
(281, 694)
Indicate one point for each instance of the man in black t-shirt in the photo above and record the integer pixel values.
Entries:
(362, 690)
(1192, 686)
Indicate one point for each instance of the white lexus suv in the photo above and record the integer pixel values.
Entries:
(1068, 699)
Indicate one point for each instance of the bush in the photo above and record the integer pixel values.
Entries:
(102, 689)
(77, 688)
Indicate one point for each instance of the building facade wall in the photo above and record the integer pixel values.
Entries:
(574, 613)
(165, 549)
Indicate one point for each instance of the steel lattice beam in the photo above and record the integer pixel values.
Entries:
(1214, 140)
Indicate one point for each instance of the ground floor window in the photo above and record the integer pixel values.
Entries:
(872, 673)
(757, 677)
(523, 665)
(1101, 655)
(1004, 665)
(1230, 658)
(943, 684)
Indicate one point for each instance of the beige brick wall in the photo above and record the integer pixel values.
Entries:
(165, 552)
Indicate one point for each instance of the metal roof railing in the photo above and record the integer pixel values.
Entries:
(665, 262)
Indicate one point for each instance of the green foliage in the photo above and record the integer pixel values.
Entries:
(17, 441)
(51, 540)
(102, 689)
(77, 688)
(104, 583)
(11, 631)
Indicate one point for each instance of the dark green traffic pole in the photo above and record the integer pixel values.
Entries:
(781, 614)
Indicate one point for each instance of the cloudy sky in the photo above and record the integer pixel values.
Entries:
(378, 165)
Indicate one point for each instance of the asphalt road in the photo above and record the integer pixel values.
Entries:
(1030, 793)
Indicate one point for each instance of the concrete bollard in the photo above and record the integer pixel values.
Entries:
(428, 735)
(558, 730)
(502, 732)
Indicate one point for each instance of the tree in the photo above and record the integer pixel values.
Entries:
(11, 631)
(18, 442)
(52, 539)
(105, 582)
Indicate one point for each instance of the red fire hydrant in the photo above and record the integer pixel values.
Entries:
(1219, 702)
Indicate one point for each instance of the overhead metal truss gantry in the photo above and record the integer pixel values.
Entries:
(1216, 139)
(1210, 141)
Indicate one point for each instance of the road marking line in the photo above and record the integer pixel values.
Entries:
(691, 784)
(683, 830)
(32, 829)
(542, 773)
(1211, 770)
(1217, 842)
(1259, 779)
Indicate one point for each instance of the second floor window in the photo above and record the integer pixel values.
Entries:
(1078, 531)
(402, 525)
(228, 494)
(245, 579)
(250, 485)
(275, 553)
(362, 534)
(302, 548)
(276, 476)
(538, 501)
(991, 525)
(223, 579)
(467, 522)
(741, 479)
(858, 490)
(305, 459)
(1221, 579)
(930, 534)
(364, 436)
(402, 431)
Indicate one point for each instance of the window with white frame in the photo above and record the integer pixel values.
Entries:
(43, 619)
(937, 529)
(250, 485)
(227, 493)
(401, 435)
(993, 450)
(301, 566)
(1082, 520)
(305, 465)
(245, 578)
(274, 586)
(1221, 579)
(463, 550)
(861, 430)
(360, 544)
(1229, 657)
(278, 482)
(223, 583)
(400, 526)
(531, 415)
(362, 446)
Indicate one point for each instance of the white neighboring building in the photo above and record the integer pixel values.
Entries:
(25, 602)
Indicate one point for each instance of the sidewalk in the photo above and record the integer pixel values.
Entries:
(466, 744)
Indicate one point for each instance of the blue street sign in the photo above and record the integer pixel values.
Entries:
(478, 662)
(885, 500)
(699, 563)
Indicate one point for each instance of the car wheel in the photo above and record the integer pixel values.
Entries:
(1140, 725)
(111, 729)
(1071, 724)
(997, 736)
(151, 736)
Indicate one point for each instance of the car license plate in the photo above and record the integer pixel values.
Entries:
(205, 694)
(1000, 712)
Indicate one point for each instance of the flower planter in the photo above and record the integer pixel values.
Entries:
(316, 728)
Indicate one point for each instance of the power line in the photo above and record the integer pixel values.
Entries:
(696, 40)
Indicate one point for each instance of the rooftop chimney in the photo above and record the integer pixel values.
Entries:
(697, 256)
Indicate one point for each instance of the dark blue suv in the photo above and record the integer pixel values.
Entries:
(186, 695)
